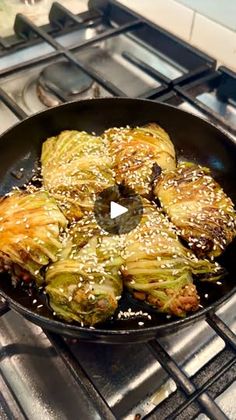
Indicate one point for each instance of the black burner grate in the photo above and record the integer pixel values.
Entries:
(113, 20)
(215, 95)
(213, 379)
(193, 395)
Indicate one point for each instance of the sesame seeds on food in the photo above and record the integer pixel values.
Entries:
(130, 314)
(158, 245)
(209, 207)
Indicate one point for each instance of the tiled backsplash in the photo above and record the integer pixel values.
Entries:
(202, 32)
(223, 12)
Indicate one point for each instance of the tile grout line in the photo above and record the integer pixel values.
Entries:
(192, 26)
(184, 6)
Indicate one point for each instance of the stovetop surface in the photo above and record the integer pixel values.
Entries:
(128, 376)
(34, 379)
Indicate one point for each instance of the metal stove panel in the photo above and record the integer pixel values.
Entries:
(130, 378)
(22, 87)
(226, 110)
(129, 44)
(37, 376)
(108, 59)
(7, 118)
(42, 49)
(215, 95)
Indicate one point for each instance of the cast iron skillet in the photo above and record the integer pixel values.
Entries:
(194, 139)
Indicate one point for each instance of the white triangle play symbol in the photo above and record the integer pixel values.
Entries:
(116, 210)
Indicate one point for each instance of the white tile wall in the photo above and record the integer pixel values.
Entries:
(207, 35)
(215, 39)
(169, 14)
(223, 12)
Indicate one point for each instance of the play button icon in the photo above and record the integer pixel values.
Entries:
(118, 209)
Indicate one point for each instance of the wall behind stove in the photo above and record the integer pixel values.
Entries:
(203, 27)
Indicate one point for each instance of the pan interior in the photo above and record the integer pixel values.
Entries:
(194, 140)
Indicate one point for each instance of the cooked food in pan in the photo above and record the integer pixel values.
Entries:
(29, 233)
(85, 286)
(75, 167)
(138, 155)
(158, 269)
(84, 229)
(49, 234)
(198, 207)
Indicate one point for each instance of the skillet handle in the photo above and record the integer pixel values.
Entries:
(4, 307)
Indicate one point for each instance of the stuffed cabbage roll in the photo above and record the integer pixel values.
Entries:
(85, 285)
(139, 153)
(75, 167)
(198, 206)
(159, 270)
(29, 233)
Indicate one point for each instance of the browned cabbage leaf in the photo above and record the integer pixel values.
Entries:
(29, 232)
(159, 270)
(75, 167)
(85, 284)
(138, 155)
(198, 206)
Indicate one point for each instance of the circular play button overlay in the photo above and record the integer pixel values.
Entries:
(118, 209)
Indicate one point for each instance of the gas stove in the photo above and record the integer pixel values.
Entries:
(110, 51)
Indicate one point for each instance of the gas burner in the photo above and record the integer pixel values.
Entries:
(62, 80)
(35, 91)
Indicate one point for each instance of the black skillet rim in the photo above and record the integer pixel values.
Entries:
(42, 320)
